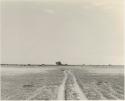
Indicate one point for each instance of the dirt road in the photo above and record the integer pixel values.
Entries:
(70, 90)
(61, 90)
(62, 84)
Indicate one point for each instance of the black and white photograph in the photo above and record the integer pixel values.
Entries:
(62, 50)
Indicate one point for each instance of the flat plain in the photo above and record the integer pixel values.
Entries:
(62, 82)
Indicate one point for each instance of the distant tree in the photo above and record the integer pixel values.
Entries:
(58, 63)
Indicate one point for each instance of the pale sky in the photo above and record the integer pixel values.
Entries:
(72, 31)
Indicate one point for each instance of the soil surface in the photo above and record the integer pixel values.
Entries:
(62, 83)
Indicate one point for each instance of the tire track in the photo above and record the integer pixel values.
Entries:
(61, 91)
(77, 89)
(74, 87)
(71, 87)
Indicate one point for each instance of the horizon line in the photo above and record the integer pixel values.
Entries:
(57, 65)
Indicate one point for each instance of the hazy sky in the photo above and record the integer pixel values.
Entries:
(72, 31)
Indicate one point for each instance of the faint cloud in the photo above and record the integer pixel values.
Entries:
(104, 4)
(49, 11)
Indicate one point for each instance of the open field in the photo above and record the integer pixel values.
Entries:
(62, 83)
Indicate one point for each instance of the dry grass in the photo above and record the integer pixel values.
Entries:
(100, 86)
(44, 85)
(20, 87)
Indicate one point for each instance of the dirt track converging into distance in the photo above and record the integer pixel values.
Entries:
(75, 92)
(62, 83)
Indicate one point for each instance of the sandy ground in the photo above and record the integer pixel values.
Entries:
(97, 85)
(61, 89)
(20, 71)
(30, 84)
(62, 83)
(74, 89)
(107, 70)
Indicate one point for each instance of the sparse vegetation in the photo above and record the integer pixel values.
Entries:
(94, 84)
